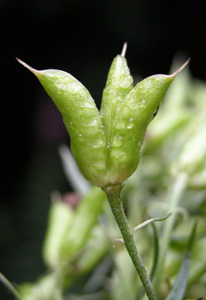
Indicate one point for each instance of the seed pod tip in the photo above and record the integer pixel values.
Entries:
(34, 71)
(124, 49)
(181, 68)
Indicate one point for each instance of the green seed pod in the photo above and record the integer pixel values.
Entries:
(82, 120)
(85, 217)
(174, 114)
(130, 123)
(97, 247)
(119, 84)
(60, 219)
(106, 146)
(44, 288)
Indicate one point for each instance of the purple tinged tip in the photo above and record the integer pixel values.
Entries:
(34, 71)
(180, 69)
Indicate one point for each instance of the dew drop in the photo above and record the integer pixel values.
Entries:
(99, 143)
(130, 125)
(81, 138)
(117, 140)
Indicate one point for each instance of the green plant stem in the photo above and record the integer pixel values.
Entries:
(174, 196)
(118, 211)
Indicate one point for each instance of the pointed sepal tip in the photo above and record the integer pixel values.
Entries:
(124, 49)
(180, 69)
(34, 71)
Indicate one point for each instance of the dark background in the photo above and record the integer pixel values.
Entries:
(81, 37)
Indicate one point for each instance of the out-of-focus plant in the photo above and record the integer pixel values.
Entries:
(162, 199)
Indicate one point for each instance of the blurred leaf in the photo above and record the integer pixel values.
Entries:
(72, 172)
(85, 218)
(97, 246)
(94, 296)
(46, 287)
(123, 278)
(61, 217)
(9, 286)
(195, 299)
(155, 257)
(150, 221)
(156, 251)
(180, 284)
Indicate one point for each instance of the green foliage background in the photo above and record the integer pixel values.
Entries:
(81, 37)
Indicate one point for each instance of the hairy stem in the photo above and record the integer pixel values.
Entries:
(118, 212)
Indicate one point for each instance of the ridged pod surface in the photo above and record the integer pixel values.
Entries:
(119, 84)
(82, 121)
(106, 144)
(130, 124)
